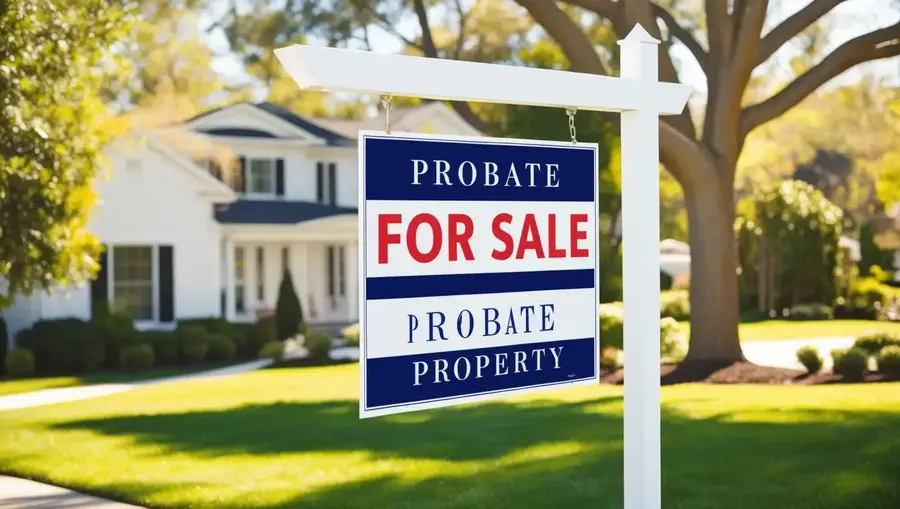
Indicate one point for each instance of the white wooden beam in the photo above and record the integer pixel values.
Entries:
(343, 70)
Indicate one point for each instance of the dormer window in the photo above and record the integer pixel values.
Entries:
(261, 176)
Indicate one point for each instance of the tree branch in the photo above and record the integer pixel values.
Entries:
(791, 27)
(570, 37)
(430, 50)
(683, 35)
(876, 45)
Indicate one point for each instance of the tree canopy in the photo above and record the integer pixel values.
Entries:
(53, 126)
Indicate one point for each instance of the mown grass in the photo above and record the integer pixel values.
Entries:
(291, 438)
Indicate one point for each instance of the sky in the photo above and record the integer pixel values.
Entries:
(848, 20)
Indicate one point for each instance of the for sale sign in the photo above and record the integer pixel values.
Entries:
(479, 273)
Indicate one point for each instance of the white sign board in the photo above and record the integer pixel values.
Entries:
(479, 269)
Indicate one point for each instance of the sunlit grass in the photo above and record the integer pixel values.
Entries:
(292, 438)
(771, 330)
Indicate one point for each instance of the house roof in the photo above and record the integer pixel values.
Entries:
(276, 212)
(331, 137)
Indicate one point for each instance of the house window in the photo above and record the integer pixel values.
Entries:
(342, 272)
(326, 183)
(239, 281)
(260, 275)
(133, 281)
(285, 258)
(261, 176)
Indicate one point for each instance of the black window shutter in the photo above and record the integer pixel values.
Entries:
(279, 177)
(241, 186)
(100, 285)
(320, 182)
(332, 183)
(330, 270)
(166, 285)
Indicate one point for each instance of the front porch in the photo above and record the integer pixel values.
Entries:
(322, 256)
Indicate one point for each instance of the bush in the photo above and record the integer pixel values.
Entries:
(193, 342)
(609, 360)
(221, 348)
(212, 324)
(874, 343)
(238, 335)
(888, 360)
(815, 311)
(56, 343)
(19, 362)
(136, 356)
(351, 334)
(116, 328)
(90, 351)
(671, 344)
(611, 325)
(867, 296)
(851, 364)
(675, 304)
(810, 358)
(288, 315)
(260, 333)
(272, 350)
(164, 344)
(319, 345)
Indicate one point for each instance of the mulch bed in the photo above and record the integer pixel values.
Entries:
(741, 373)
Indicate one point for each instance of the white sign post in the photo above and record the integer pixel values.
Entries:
(640, 98)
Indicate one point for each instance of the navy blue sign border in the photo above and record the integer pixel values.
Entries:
(364, 136)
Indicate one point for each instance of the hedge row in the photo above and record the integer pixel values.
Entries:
(853, 362)
(70, 345)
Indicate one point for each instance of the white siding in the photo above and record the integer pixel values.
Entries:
(159, 204)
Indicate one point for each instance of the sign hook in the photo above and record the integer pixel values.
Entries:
(386, 104)
(571, 113)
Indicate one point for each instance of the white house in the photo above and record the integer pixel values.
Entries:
(185, 239)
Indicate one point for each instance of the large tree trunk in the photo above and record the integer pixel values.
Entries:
(714, 288)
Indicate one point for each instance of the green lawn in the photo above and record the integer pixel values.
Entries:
(291, 438)
(783, 329)
(16, 386)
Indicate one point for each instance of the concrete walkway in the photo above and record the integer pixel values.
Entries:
(783, 353)
(23, 494)
(66, 394)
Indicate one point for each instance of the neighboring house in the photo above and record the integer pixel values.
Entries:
(185, 239)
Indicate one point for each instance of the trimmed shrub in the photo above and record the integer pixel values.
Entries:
(851, 363)
(238, 335)
(193, 342)
(611, 325)
(272, 350)
(211, 324)
(136, 356)
(814, 311)
(288, 315)
(867, 296)
(675, 304)
(888, 360)
(19, 362)
(260, 333)
(319, 345)
(90, 351)
(609, 360)
(810, 358)
(55, 343)
(671, 344)
(164, 344)
(221, 348)
(116, 328)
(874, 343)
(351, 334)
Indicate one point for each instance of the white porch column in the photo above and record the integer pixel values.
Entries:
(228, 248)
(300, 274)
(351, 283)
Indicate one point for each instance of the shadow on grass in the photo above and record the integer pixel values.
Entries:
(811, 460)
